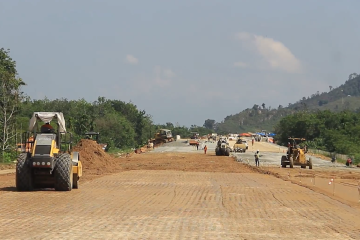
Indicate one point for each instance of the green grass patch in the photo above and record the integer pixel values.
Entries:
(117, 151)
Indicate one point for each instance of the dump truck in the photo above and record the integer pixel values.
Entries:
(194, 141)
(296, 154)
(240, 145)
(48, 161)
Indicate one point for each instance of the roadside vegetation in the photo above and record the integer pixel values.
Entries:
(122, 125)
(345, 97)
(335, 132)
(321, 119)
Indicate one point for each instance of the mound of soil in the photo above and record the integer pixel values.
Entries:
(94, 159)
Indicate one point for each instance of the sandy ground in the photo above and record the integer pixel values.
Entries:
(178, 192)
(344, 187)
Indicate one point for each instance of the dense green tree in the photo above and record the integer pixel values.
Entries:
(10, 100)
(209, 124)
(326, 130)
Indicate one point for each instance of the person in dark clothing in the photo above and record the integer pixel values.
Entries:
(257, 160)
(47, 128)
(197, 146)
(333, 158)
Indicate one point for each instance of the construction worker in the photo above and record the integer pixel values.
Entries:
(257, 160)
(205, 149)
(47, 128)
(333, 158)
(349, 162)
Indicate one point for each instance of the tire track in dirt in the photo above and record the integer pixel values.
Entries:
(144, 204)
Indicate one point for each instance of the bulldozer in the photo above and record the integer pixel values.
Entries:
(163, 136)
(48, 160)
(296, 154)
(222, 148)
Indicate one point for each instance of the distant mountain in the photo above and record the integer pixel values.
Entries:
(344, 97)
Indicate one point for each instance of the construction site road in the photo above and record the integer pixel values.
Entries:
(177, 195)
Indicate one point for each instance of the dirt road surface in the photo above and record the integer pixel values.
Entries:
(178, 194)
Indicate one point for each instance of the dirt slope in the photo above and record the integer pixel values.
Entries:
(95, 160)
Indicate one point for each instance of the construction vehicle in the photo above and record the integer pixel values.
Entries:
(194, 141)
(222, 148)
(48, 160)
(240, 145)
(213, 136)
(95, 137)
(194, 135)
(163, 136)
(295, 155)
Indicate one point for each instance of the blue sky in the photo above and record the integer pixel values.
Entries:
(182, 61)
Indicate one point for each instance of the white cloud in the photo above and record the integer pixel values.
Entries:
(240, 64)
(131, 59)
(243, 36)
(168, 73)
(163, 76)
(148, 83)
(274, 53)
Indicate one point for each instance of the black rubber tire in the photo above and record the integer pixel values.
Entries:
(291, 162)
(227, 152)
(217, 151)
(310, 163)
(24, 180)
(283, 161)
(63, 175)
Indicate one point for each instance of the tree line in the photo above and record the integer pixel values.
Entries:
(121, 124)
(337, 132)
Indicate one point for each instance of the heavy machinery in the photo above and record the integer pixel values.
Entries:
(48, 161)
(163, 135)
(240, 145)
(213, 136)
(194, 135)
(296, 154)
(222, 148)
(193, 142)
(92, 136)
(95, 137)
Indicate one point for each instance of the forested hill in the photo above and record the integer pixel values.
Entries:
(258, 117)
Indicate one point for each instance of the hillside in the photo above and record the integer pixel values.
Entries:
(256, 118)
